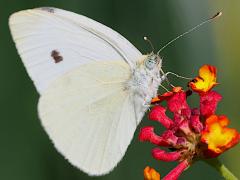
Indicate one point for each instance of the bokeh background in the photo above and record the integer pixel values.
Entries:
(26, 152)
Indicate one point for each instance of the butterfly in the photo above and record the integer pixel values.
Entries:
(94, 85)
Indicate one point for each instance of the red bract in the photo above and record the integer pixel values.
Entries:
(177, 103)
(166, 95)
(158, 114)
(208, 103)
(191, 134)
(177, 171)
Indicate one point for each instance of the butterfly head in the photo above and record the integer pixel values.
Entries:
(153, 61)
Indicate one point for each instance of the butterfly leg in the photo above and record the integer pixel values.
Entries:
(178, 76)
(168, 73)
(164, 78)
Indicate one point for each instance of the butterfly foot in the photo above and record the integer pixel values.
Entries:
(147, 106)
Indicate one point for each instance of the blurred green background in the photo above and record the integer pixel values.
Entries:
(26, 152)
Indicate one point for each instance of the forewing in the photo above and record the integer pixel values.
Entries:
(53, 43)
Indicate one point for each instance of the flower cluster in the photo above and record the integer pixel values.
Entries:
(192, 133)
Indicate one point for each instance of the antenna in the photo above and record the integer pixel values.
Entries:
(190, 30)
(150, 42)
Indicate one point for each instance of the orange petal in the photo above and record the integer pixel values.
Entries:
(150, 174)
(155, 99)
(206, 79)
(217, 136)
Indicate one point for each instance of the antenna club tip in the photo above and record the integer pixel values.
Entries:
(218, 14)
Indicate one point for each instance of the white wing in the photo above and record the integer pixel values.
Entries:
(51, 42)
(89, 115)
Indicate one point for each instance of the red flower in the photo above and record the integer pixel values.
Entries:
(177, 171)
(158, 114)
(166, 95)
(208, 103)
(191, 134)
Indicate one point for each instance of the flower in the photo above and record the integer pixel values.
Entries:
(206, 79)
(176, 172)
(217, 136)
(158, 114)
(150, 174)
(192, 133)
(208, 103)
(166, 95)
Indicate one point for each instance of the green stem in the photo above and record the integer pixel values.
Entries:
(221, 168)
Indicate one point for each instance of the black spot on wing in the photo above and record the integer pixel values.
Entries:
(56, 56)
(48, 9)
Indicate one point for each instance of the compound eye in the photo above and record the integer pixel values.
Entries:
(150, 63)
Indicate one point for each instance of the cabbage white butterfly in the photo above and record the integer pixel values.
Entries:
(94, 85)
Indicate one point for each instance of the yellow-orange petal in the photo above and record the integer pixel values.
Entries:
(217, 136)
(150, 174)
(206, 79)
